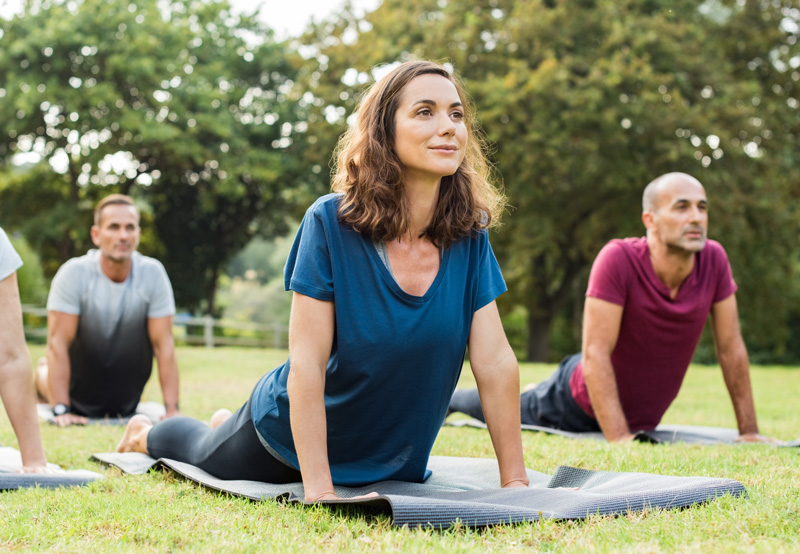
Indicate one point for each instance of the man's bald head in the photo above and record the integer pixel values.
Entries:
(651, 198)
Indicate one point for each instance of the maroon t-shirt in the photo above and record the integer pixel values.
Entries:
(658, 335)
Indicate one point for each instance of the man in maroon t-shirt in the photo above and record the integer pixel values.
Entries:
(647, 302)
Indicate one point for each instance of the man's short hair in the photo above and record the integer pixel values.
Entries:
(112, 199)
(650, 197)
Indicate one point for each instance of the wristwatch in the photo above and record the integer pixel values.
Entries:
(60, 409)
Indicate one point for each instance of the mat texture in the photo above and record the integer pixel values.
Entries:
(663, 434)
(152, 410)
(10, 461)
(467, 490)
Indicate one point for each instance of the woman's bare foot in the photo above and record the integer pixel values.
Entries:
(135, 437)
(219, 417)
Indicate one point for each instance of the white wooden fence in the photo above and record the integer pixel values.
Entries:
(205, 331)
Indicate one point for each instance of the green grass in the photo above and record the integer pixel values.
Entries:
(162, 513)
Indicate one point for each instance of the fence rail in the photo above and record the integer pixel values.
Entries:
(205, 331)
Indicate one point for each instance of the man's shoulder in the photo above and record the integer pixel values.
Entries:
(84, 264)
(146, 262)
(631, 244)
(72, 283)
(151, 275)
(712, 262)
(623, 250)
(713, 249)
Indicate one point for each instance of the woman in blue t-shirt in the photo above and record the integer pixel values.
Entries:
(392, 279)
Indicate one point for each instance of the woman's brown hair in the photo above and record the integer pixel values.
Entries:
(370, 175)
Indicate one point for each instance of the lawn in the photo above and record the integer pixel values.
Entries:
(162, 513)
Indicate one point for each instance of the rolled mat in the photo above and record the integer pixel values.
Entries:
(467, 490)
(10, 461)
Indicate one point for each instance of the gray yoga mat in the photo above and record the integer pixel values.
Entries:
(663, 434)
(152, 410)
(467, 490)
(10, 461)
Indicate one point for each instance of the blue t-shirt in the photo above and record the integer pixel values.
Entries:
(395, 358)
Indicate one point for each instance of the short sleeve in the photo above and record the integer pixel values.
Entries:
(64, 293)
(10, 261)
(308, 268)
(490, 279)
(608, 279)
(162, 300)
(726, 285)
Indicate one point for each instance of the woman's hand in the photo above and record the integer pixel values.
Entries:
(516, 484)
(44, 470)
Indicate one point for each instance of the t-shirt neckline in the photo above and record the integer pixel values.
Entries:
(392, 283)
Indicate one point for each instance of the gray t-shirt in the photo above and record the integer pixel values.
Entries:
(10, 261)
(111, 357)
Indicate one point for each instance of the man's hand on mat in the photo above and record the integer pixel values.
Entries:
(627, 437)
(173, 413)
(757, 437)
(65, 420)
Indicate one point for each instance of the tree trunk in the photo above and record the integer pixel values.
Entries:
(212, 292)
(539, 328)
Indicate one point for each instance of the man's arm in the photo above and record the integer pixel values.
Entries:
(16, 379)
(497, 375)
(159, 329)
(601, 322)
(732, 357)
(61, 330)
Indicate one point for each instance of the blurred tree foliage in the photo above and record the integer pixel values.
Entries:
(30, 277)
(178, 103)
(585, 101)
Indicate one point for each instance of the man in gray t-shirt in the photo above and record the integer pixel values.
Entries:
(108, 313)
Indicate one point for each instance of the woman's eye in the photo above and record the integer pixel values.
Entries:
(457, 115)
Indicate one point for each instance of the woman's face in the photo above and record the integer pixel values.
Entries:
(430, 133)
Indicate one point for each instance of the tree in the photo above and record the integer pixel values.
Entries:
(179, 103)
(585, 101)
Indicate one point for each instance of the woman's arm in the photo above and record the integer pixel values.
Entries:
(16, 378)
(311, 327)
(497, 374)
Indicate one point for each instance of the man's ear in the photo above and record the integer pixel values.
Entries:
(95, 234)
(648, 220)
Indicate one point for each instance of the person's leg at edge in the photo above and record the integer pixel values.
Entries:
(219, 417)
(232, 450)
(134, 439)
(467, 401)
(42, 386)
(544, 404)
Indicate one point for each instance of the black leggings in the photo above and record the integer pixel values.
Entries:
(550, 404)
(231, 451)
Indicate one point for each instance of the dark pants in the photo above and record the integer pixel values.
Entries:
(550, 404)
(231, 451)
